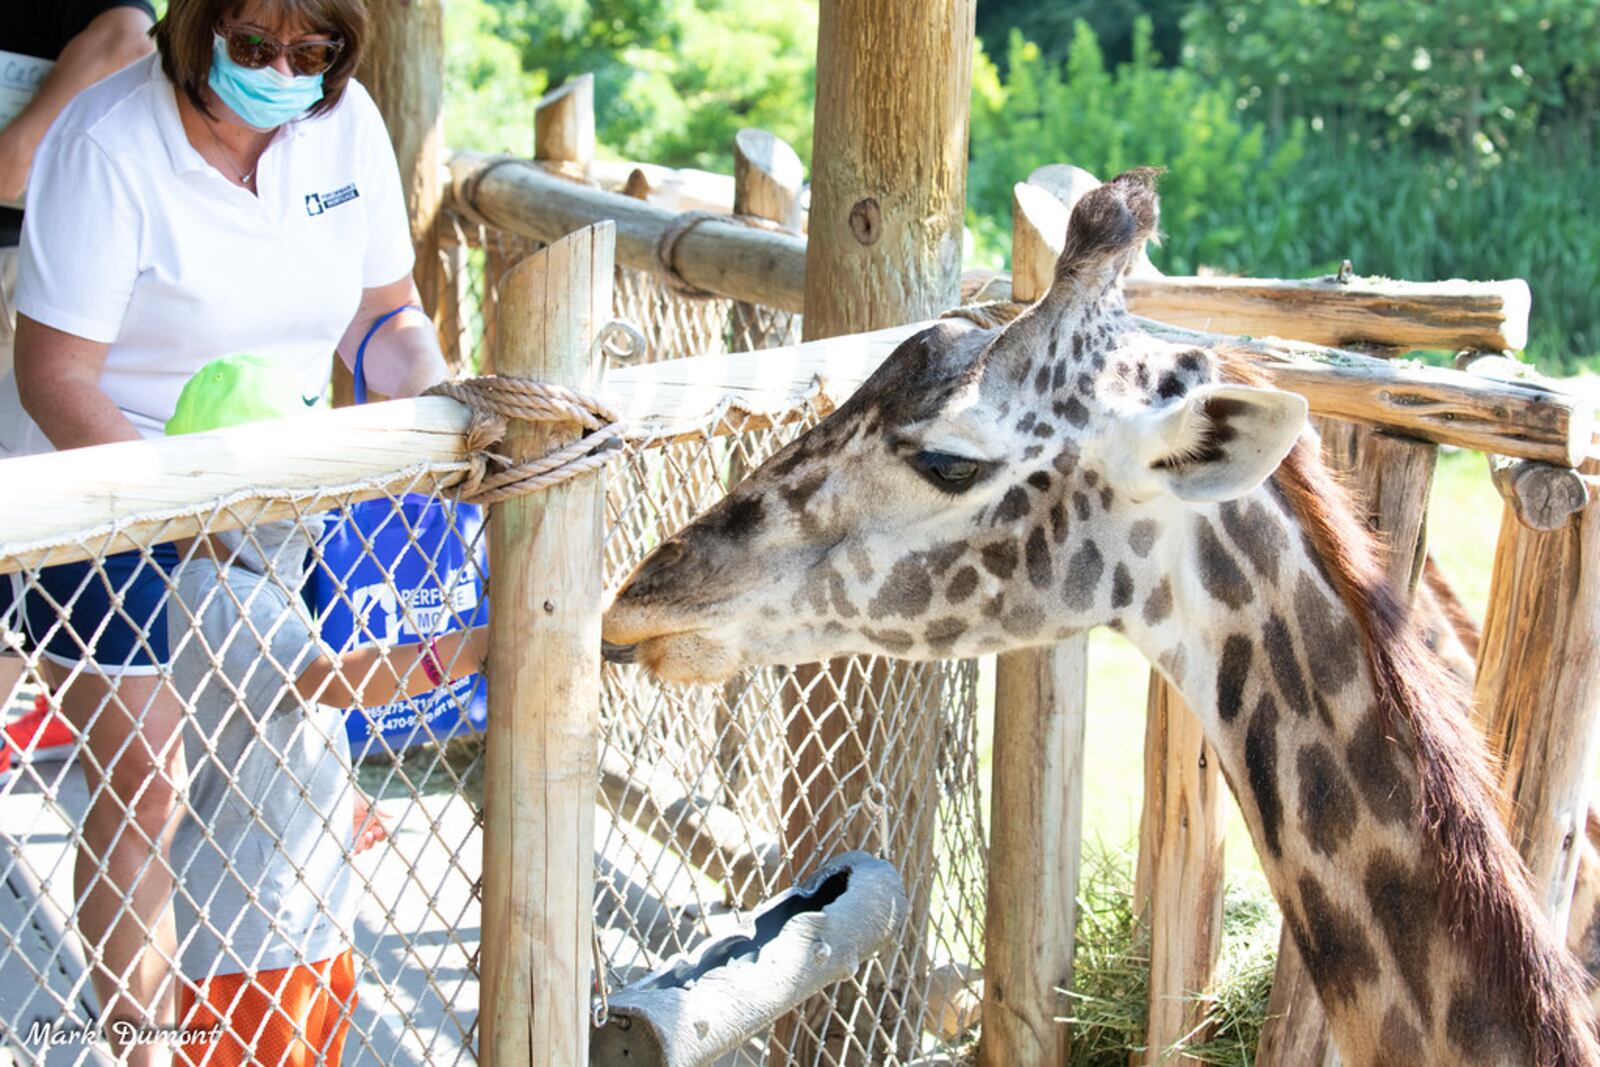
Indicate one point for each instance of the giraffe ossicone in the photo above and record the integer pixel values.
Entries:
(993, 489)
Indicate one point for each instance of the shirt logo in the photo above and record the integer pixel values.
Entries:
(317, 203)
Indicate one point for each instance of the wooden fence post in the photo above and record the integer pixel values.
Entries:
(403, 68)
(1036, 780)
(544, 690)
(1392, 477)
(563, 126)
(887, 199)
(1538, 689)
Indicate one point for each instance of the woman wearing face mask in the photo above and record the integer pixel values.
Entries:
(235, 193)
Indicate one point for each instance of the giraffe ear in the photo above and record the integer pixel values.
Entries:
(1217, 443)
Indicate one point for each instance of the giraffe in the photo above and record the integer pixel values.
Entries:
(994, 488)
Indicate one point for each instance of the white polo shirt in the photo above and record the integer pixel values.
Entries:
(133, 239)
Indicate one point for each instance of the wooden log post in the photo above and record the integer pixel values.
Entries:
(1036, 780)
(767, 177)
(1392, 478)
(563, 126)
(544, 697)
(888, 198)
(1538, 688)
(403, 68)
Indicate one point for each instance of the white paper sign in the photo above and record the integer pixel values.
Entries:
(19, 79)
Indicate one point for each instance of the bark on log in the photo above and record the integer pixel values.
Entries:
(1538, 689)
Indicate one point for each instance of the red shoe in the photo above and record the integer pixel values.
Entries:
(41, 735)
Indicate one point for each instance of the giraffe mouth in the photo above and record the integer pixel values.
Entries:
(615, 653)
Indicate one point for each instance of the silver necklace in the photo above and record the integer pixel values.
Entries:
(248, 176)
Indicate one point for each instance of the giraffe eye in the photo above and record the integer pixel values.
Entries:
(953, 474)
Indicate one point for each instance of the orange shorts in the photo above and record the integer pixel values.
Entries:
(284, 1018)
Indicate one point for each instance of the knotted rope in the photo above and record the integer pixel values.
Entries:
(492, 477)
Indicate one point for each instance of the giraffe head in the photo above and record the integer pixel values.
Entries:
(985, 489)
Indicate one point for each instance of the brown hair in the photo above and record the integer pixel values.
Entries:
(184, 40)
(1483, 889)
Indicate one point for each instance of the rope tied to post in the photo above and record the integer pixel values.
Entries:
(667, 247)
(492, 477)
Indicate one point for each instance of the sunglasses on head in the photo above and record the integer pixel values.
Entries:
(253, 50)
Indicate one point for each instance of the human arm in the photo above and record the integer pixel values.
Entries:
(110, 41)
(58, 381)
(403, 357)
(374, 675)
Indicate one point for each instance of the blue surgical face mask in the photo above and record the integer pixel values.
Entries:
(265, 98)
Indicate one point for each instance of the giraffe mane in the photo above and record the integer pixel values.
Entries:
(1484, 894)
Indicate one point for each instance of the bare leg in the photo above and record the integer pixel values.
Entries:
(133, 764)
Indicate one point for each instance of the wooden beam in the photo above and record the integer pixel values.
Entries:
(770, 269)
(544, 700)
(1377, 311)
(741, 262)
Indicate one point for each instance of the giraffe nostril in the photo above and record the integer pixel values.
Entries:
(656, 569)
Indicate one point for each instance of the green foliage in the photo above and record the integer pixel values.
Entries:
(1051, 25)
(488, 97)
(1477, 75)
(676, 79)
(1106, 122)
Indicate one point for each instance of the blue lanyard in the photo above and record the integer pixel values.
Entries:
(359, 373)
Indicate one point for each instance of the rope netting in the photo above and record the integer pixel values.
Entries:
(184, 813)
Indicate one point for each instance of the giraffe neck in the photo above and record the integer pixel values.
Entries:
(1411, 967)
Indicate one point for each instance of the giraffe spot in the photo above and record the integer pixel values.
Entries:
(1258, 533)
(941, 634)
(813, 592)
(1232, 673)
(1375, 762)
(1091, 477)
(1121, 587)
(1041, 383)
(905, 592)
(834, 628)
(1000, 558)
(859, 561)
(1331, 641)
(1327, 803)
(1477, 1025)
(1106, 497)
(1158, 605)
(942, 557)
(1335, 951)
(1261, 770)
(1066, 461)
(1080, 504)
(1086, 385)
(1013, 507)
(1044, 429)
(1404, 907)
(1190, 360)
(1098, 363)
(1141, 374)
(1023, 620)
(1219, 573)
(962, 583)
(800, 493)
(1170, 386)
(1040, 480)
(1399, 1043)
(1033, 452)
(1020, 374)
(1037, 554)
(1074, 412)
(1059, 378)
(1058, 522)
(1142, 537)
(1279, 644)
(1025, 423)
(994, 606)
(897, 641)
(1083, 576)
(1055, 340)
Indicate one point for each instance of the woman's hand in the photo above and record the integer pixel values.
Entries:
(403, 357)
(58, 381)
